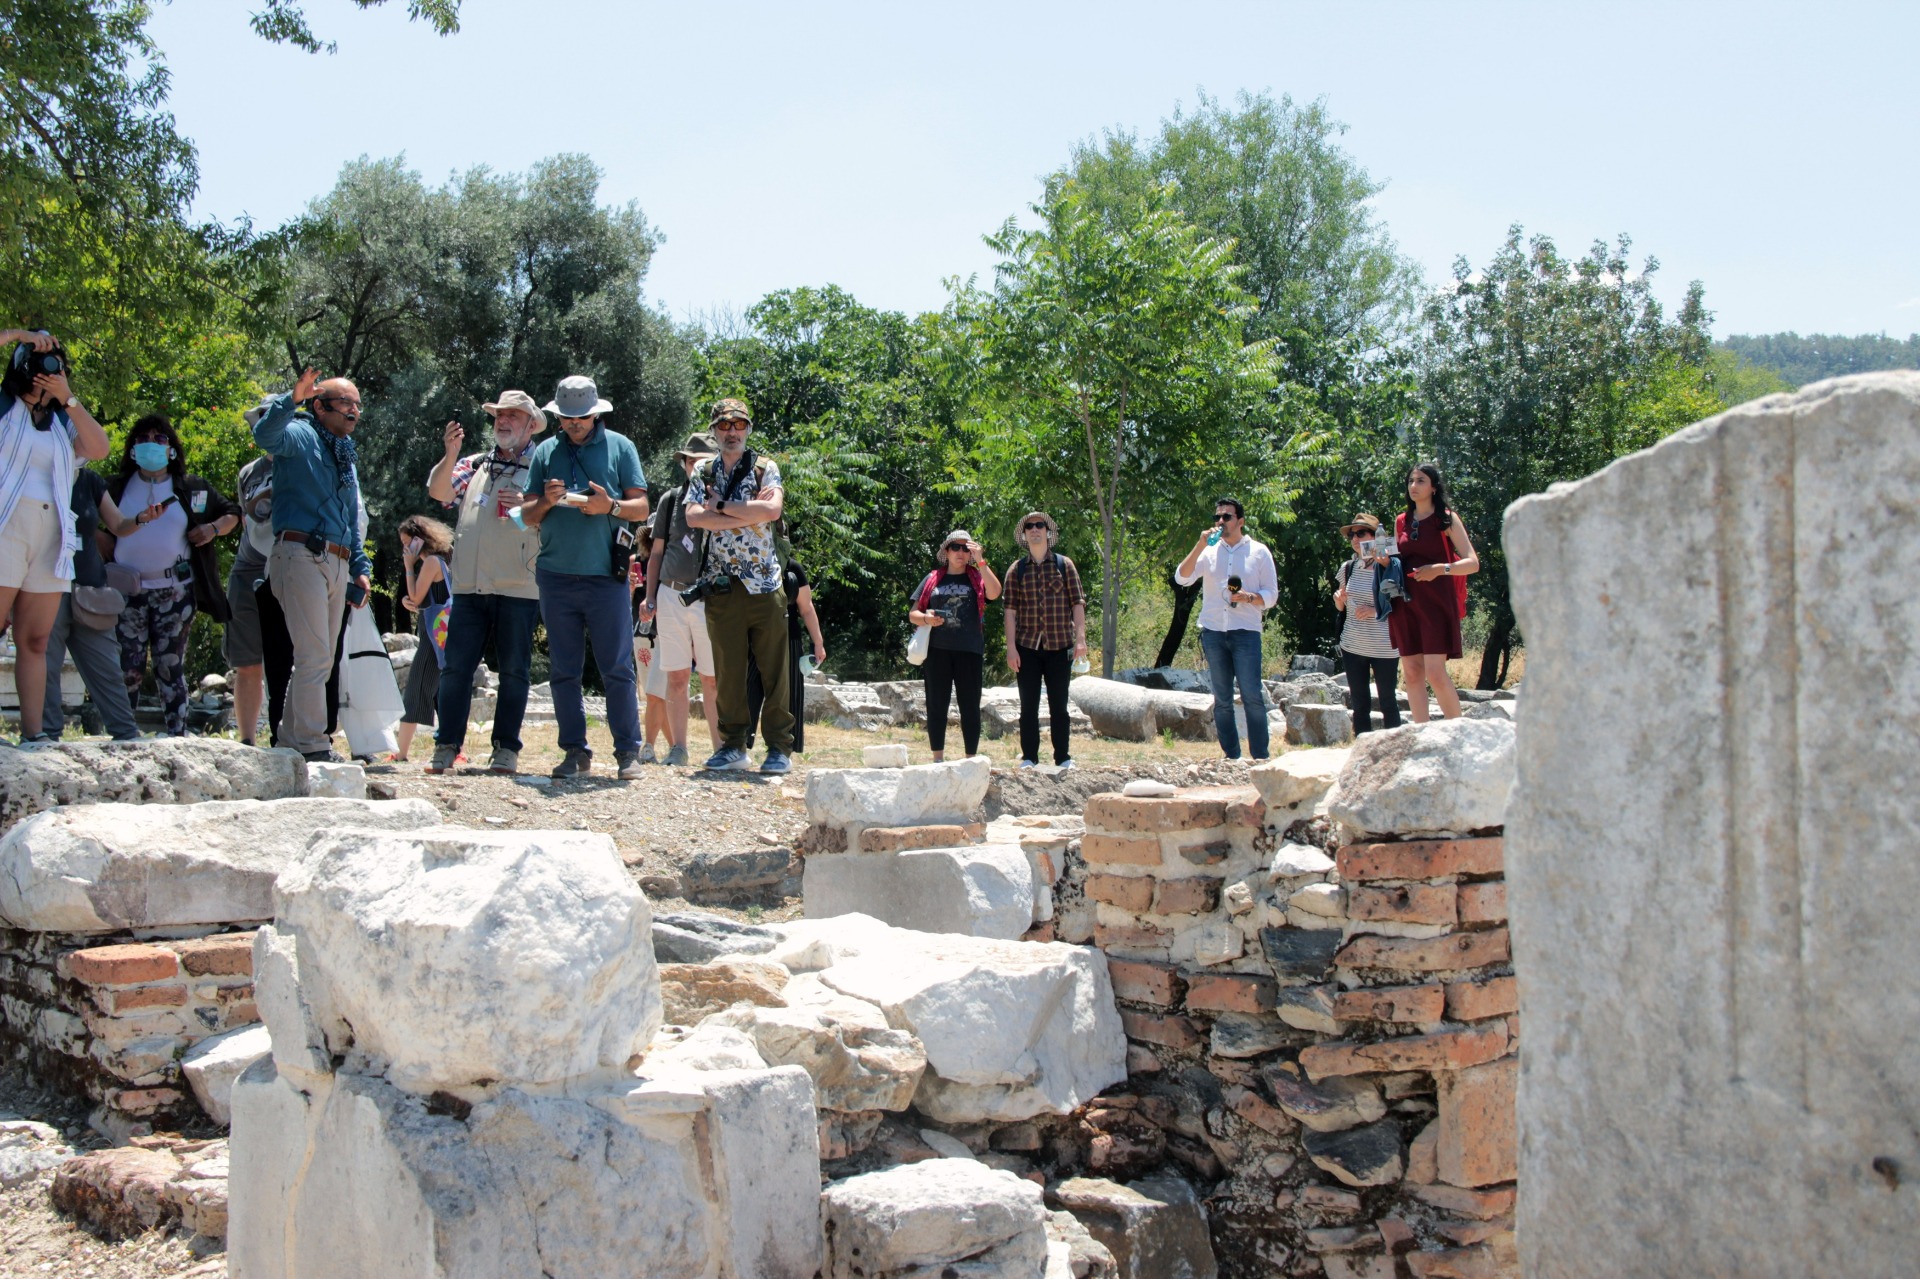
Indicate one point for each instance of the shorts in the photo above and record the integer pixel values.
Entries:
(241, 643)
(30, 549)
(682, 631)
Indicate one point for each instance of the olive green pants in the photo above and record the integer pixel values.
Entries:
(739, 623)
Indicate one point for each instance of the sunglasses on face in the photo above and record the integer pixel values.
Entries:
(1364, 534)
(959, 546)
(1035, 524)
(1224, 516)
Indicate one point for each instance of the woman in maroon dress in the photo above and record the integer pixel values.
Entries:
(1426, 625)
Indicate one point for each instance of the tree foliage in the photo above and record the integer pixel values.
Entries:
(285, 21)
(1116, 374)
(1799, 360)
(1537, 369)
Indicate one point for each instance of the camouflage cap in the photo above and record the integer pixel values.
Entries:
(730, 410)
(699, 445)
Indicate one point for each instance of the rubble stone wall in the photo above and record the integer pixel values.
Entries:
(1322, 1035)
(112, 1021)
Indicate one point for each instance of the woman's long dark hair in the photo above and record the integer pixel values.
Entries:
(176, 465)
(1432, 471)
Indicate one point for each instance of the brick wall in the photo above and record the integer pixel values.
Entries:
(1323, 1037)
(109, 1019)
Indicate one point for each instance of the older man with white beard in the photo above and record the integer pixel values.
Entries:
(494, 594)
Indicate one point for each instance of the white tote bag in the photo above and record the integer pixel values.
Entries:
(917, 646)
(370, 702)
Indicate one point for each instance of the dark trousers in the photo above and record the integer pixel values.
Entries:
(950, 672)
(739, 623)
(96, 654)
(508, 621)
(579, 610)
(1052, 665)
(1385, 672)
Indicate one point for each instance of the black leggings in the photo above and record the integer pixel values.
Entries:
(1386, 673)
(948, 671)
(1054, 666)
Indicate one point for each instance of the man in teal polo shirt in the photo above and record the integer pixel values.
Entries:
(586, 542)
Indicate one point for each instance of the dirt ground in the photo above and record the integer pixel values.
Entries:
(657, 822)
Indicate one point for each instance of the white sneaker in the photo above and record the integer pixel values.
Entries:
(1064, 765)
(1027, 763)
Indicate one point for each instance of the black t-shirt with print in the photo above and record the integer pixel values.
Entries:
(954, 600)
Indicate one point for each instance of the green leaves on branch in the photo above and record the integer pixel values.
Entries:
(285, 21)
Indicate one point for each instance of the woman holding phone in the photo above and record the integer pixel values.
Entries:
(425, 545)
(953, 601)
(167, 561)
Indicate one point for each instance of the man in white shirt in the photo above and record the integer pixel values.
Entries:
(1240, 587)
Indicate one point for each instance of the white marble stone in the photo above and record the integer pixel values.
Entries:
(214, 1063)
(918, 795)
(914, 1219)
(1425, 779)
(980, 890)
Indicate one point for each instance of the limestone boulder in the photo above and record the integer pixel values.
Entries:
(695, 937)
(166, 770)
(336, 781)
(1011, 1029)
(1444, 775)
(1155, 1228)
(979, 890)
(1294, 783)
(918, 795)
(1713, 825)
(1134, 714)
(856, 1060)
(212, 1065)
(94, 868)
(953, 1216)
(697, 1175)
(708, 1046)
(1323, 726)
(690, 993)
(447, 957)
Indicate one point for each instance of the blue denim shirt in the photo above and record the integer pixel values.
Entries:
(309, 492)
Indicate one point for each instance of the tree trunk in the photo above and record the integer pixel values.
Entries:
(1109, 601)
(1184, 598)
(1493, 658)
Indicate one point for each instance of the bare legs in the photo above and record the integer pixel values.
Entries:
(1429, 670)
(33, 613)
(249, 691)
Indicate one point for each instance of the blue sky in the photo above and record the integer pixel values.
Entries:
(1766, 149)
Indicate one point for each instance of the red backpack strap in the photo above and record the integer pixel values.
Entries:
(979, 585)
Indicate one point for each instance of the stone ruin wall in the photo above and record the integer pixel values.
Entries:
(1325, 1044)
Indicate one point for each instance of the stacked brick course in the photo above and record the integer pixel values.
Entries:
(111, 1018)
(1324, 1035)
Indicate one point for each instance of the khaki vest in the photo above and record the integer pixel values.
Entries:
(494, 556)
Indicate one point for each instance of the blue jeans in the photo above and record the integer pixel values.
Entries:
(577, 609)
(510, 622)
(1235, 655)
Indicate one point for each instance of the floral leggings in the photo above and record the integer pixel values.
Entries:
(158, 620)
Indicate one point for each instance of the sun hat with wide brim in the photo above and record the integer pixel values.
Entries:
(1361, 521)
(1020, 529)
(518, 400)
(577, 397)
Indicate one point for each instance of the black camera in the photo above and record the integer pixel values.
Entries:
(701, 590)
(34, 363)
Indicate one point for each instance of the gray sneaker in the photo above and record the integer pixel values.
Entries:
(505, 760)
(629, 765)
(646, 754)
(578, 763)
(677, 757)
(443, 758)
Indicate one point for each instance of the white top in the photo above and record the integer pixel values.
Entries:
(1252, 563)
(1368, 638)
(158, 545)
(42, 446)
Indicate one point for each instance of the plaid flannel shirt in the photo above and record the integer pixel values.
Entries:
(1041, 597)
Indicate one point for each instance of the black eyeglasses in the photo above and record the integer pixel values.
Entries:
(1224, 516)
(962, 546)
(1366, 533)
(1031, 525)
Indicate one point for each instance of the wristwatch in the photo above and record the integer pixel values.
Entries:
(720, 507)
(72, 400)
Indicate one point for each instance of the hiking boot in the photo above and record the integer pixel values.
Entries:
(728, 757)
(677, 757)
(578, 763)
(776, 762)
(505, 760)
(444, 758)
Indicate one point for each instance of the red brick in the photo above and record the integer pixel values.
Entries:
(1513, 1029)
(1423, 1155)
(1125, 850)
(1391, 1003)
(1250, 1106)
(123, 965)
(1484, 903)
(1211, 853)
(895, 839)
(1396, 1234)
(1232, 993)
(124, 1001)
(1193, 896)
(1039, 932)
(1166, 1030)
(1482, 1205)
(1128, 892)
(1489, 997)
(228, 955)
(1426, 954)
(1478, 1142)
(1407, 903)
(1130, 937)
(1442, 1050)
(1141, 982)
(1421, 859)
(1123, 813)
(1232, 1070)
(140, 1101)
(1477, 1262)
(1248, 812)
(244, 1013)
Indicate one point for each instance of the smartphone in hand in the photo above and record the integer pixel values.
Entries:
(356, 595)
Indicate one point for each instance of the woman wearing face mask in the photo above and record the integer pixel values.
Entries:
(425, 545)
(953, 601)
(168, 558)
(45, 433)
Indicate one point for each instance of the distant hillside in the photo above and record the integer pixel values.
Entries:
(1800, 360)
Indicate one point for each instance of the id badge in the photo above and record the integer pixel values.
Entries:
(197, 502)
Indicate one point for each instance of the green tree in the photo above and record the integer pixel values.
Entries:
(1735, 380)
(285, 21)
(1539, 368)
(1799, 360)
(1115, 370)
